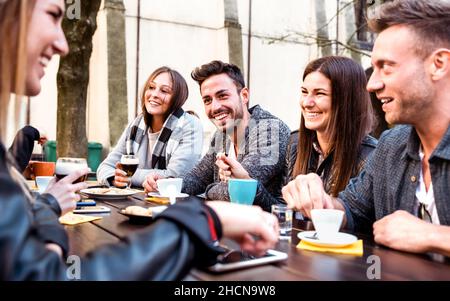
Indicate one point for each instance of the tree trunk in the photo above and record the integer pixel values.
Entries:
(322, 28)
(117, 69)
(234, 30)
(354, 30)
(73, 80)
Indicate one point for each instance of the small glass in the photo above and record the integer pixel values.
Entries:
(129, 164)
(284, 216)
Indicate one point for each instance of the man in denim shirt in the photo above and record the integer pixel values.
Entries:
(404, 190)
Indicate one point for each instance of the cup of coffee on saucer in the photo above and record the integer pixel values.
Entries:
(170, 188)
(327, 222)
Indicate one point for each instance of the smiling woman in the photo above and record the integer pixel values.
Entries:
(33, 243)
(336, 117)
(166, 140)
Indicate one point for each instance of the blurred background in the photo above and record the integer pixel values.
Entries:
(91, 95)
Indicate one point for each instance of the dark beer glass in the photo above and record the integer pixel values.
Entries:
(65, 166)
(129, 164)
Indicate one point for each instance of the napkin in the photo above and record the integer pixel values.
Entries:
(158, 200)
(75, 219)
(354, 249)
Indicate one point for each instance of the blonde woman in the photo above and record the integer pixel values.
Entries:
(186, 232)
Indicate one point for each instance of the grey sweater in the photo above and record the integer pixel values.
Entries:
(262, 155)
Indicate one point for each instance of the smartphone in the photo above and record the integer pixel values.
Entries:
(92, 209)
(236, 259)
(86, 202)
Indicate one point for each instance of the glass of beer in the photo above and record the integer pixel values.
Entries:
(65, 166)
(129, 164)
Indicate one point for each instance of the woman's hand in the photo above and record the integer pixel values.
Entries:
(120, 177)
(254, 229)
(65, 192)
(150, 182)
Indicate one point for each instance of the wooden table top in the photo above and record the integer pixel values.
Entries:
(300, 265)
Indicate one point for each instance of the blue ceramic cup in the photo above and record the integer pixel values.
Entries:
(242, 191)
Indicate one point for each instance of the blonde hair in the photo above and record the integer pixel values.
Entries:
(14, 18)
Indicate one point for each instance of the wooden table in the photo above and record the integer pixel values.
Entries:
(300, 265)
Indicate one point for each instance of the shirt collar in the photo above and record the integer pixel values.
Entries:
(442, 150)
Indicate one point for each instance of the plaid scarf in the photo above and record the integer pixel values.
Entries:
(139, 129)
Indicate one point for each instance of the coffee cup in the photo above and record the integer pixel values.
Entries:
(170, 186)
(242, 191)
(39, 169)
(327, 222)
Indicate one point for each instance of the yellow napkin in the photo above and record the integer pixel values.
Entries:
(354, 249)
(75, 219)
(158, 200)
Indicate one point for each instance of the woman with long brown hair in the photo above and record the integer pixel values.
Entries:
(184, 234)
(333, 138)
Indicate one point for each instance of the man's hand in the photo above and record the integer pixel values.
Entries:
(230, 168)
(403, 231)
(306, 192)
(243, 223)
(150, 182)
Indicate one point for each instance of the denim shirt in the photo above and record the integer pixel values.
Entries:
(390, 178)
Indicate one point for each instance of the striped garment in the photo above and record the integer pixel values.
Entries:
(139, 129)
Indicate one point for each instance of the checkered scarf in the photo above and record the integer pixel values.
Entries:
(139, 129)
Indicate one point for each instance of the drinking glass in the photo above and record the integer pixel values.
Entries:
(129, 164)
(65, 166)
(284, 216)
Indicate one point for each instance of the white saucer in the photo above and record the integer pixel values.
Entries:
(156, 194)
(340, 240)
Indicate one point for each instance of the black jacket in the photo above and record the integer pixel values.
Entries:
(178, 239)
(367, 146)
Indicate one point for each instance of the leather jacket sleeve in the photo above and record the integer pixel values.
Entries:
(178, 239)
(46, 212)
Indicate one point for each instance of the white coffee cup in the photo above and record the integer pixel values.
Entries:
(42, 182)
(170, 186)
(327, 222)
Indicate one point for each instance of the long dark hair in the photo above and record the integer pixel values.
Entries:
(180, 91)
(350, 121)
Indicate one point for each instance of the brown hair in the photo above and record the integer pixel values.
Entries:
(200, 74)
(430, 21)
(180, 91)
(14, 16)
(351, 119)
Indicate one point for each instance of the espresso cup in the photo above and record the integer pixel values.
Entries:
(242, 191)
(170, 186)
(327, 222)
